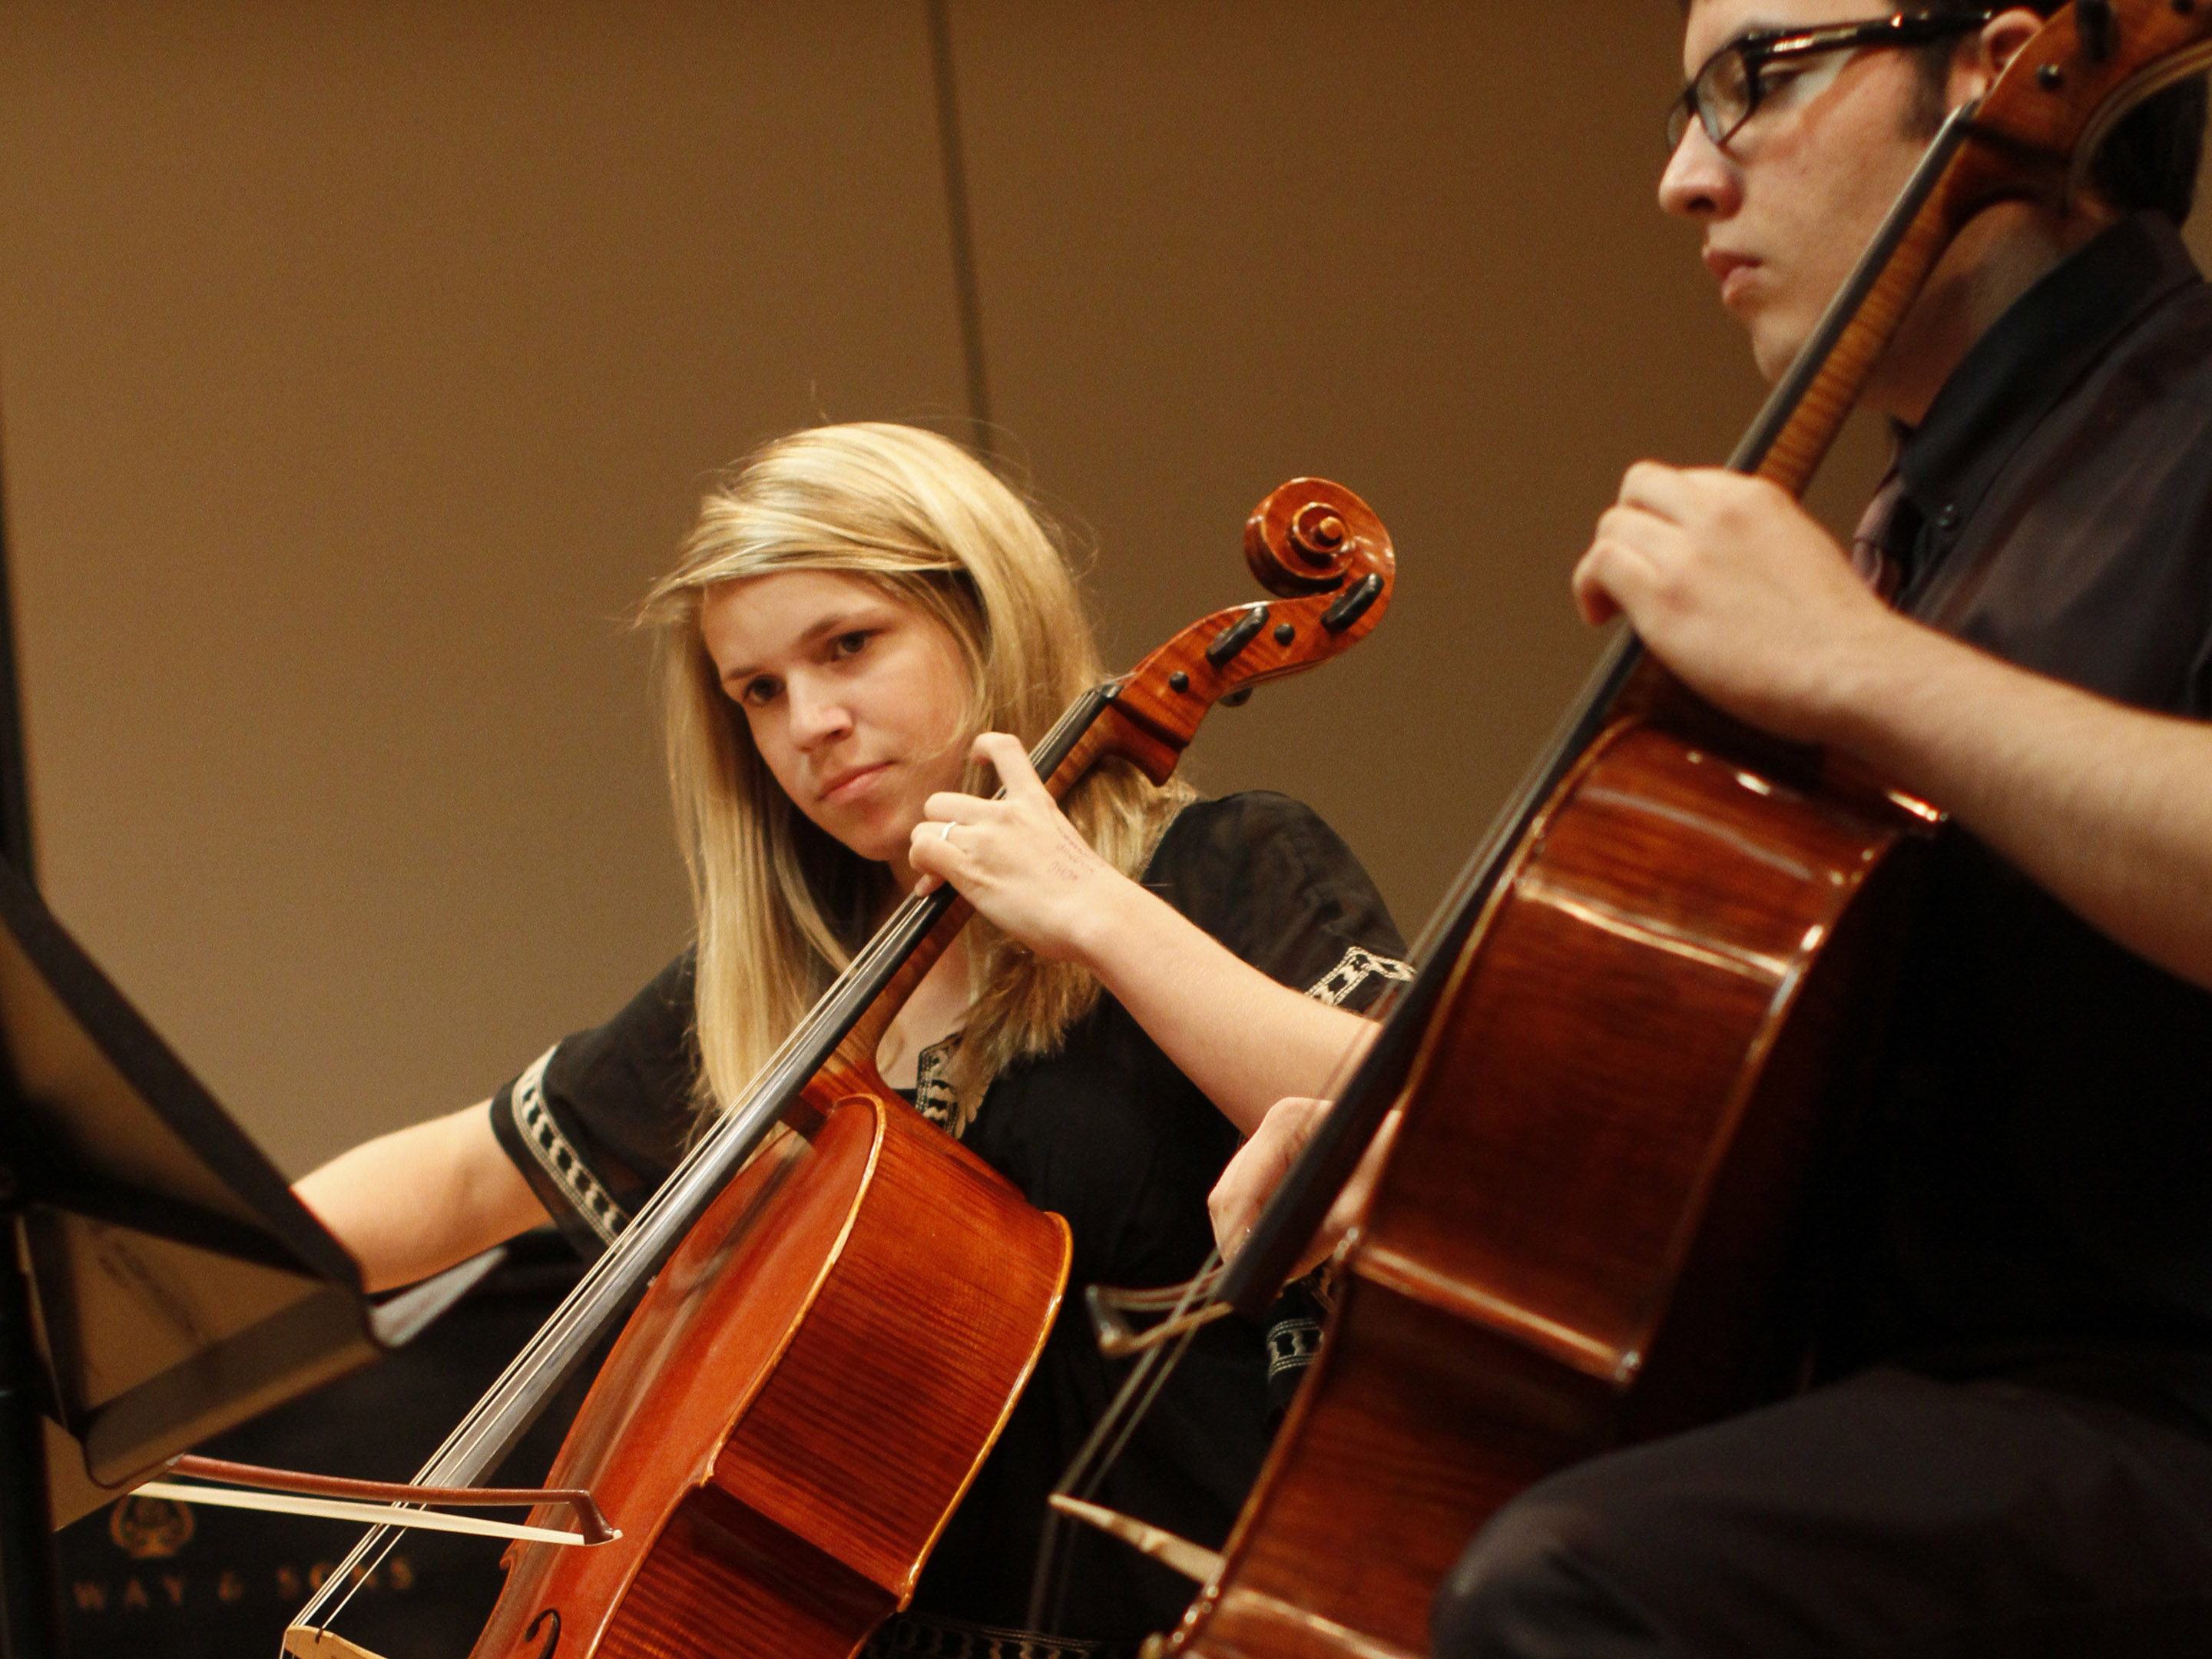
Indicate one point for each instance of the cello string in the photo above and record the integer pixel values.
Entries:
(355, 1573)
(1049, 1574)
(895, 939)
(1096, 1457)
(586, 1304)
(1124, 1417)
(490, 1428)
(1170, 1357)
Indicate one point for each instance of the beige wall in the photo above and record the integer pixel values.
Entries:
(359, 364)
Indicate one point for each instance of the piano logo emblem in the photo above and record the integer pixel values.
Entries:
(149, 1528)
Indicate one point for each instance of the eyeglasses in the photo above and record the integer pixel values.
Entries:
(1727, 90)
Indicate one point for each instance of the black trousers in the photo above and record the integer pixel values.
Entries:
(1889, 1515)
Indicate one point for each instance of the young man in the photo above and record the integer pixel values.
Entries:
(2012, 1453)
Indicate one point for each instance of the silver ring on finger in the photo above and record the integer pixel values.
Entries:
(945, 834)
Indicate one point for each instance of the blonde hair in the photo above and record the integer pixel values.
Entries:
(780, 905)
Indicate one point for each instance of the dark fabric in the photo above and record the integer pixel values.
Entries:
(1997, 1522)
(2035, 1187)
(1106, 1133)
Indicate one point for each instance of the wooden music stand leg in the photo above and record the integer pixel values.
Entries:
(30, 1584)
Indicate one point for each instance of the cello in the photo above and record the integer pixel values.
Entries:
(836, 1303)
(1635, 1033)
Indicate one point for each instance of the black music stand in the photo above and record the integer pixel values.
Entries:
(163, 1283)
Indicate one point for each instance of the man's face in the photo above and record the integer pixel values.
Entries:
(1791, 202)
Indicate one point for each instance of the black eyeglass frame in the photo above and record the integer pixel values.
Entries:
(1762, 47)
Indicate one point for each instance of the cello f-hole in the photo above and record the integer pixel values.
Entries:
(552, 1636)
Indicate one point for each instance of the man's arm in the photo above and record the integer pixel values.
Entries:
(1752, 603)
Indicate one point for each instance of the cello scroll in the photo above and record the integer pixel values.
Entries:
(1322, 549)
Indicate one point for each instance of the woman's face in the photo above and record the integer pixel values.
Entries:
(855, 700)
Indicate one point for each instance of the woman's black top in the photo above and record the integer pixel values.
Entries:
(1107, 1133)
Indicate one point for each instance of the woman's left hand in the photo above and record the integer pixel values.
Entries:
(1248, 1184)
(1017, 860)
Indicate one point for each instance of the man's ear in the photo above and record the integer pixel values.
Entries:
(1975, 70)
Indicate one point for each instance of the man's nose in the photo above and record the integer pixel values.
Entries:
(1700, 182)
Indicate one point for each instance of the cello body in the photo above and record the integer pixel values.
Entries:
(855, 1316)
(1584, 1233)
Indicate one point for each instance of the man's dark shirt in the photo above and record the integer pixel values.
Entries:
(2033, 1191)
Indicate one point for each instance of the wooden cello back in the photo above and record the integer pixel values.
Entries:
(1582, 1236)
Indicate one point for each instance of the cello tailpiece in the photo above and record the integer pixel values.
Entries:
(306, 1641)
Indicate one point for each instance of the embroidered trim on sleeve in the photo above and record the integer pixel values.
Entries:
(1292, 1345)
(935, 1097)
(1359, 966)
(560, 1159)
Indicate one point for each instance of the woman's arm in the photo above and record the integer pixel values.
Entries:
(1745, 597)
(1240, 1036)
(415, 1201)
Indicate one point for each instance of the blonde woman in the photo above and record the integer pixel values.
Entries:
(863, 628)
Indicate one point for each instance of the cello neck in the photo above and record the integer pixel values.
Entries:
(1800, 418)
